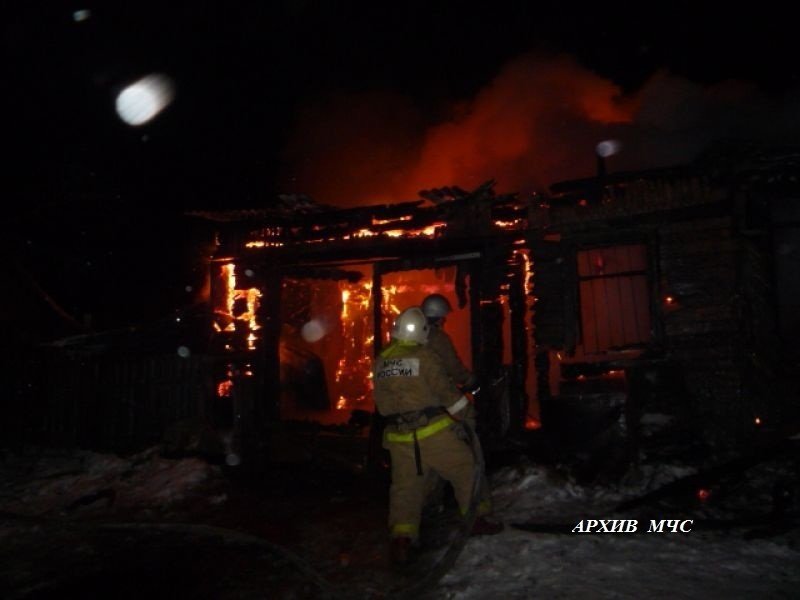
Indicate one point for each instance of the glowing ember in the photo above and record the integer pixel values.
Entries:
(428, 231)
(345, 298)
(225, 388)
(757, 420)
(229, 273)
(387, 221)
(509, 224)
(262, 244)
(524, 255)
(669, 300)
(354, 366)
(390, 309)
(531, 423)
(703, 494)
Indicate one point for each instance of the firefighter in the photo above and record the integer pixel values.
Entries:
(436, 307)
(421, 407)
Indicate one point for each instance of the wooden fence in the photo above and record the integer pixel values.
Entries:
(108, 403)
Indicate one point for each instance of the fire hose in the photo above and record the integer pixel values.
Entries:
(329, 590)
(449, 557)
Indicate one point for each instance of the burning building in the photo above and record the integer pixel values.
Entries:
(657, 292)
(617, 313)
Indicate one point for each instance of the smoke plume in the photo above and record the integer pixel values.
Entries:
(537, 122)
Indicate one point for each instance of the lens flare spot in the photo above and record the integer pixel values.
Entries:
(142, 100)
(313, 331)
(608, 148)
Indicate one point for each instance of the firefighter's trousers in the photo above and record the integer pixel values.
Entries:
(434, 485)
(440, 449)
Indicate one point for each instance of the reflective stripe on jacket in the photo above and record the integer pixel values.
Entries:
(426, 431)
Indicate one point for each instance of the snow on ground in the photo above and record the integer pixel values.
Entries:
(44, 482)
(701, 564)
(515, 564)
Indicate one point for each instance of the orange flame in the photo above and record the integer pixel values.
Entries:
(354, 368)
(225, 388)
(532, 423)
(232, 294)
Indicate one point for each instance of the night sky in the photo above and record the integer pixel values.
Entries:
(352, 103)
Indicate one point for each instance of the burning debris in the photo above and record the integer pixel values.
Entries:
(560, 294)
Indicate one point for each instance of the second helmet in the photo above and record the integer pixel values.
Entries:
(435, 306)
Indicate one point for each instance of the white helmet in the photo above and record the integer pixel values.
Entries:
(411, 326)
(436, 306)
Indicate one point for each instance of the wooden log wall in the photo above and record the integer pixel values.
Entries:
(487, 282)
(698, 263)
(550, 314)
(520, 343)
(760, 357)
(717, 330)
(635, 197)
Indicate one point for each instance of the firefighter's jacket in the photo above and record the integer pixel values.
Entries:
(414, 392)
(442, 345)
(411, 377)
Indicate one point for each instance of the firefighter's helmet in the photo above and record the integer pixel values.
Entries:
(436, 306)
(411, 326)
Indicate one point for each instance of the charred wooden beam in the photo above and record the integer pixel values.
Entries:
(517, 302)
(377, 308)
(322, 273)
(542, 366)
